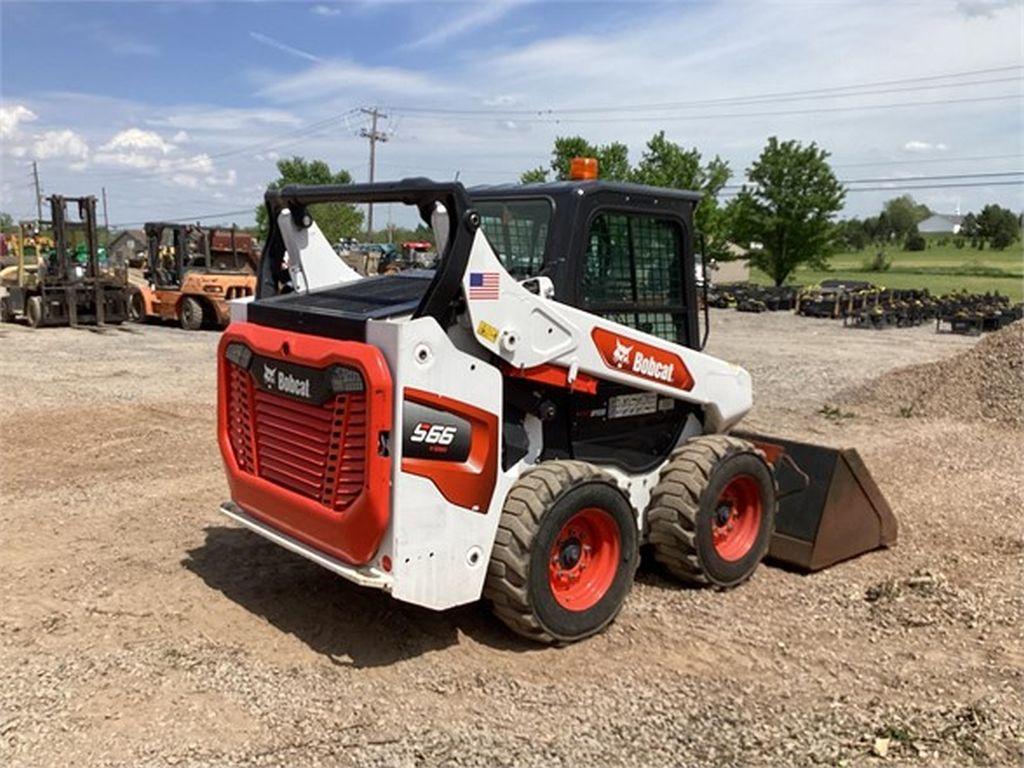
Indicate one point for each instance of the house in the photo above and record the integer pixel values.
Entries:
(128, 246)
(941, 224)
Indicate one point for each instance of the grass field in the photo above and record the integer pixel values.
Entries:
(939, 268)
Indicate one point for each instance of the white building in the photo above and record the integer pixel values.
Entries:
(941, 224)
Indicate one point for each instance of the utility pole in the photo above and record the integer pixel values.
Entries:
(106, 221)
(374, 136)
(39, 195)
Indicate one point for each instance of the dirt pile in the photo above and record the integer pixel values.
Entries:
(922, 599)
(985, 382)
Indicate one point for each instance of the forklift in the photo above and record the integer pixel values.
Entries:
(75, 282)
(192, 278)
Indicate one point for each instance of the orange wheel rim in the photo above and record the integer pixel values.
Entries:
(584, 559)
(736, 519)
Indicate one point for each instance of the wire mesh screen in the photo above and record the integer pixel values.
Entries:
(634, 273)
(518, 232)
(608, 275)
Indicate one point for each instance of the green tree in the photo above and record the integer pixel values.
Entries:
(902, 215)
(853, 233)
(336, 220)
(998, 226)
(6, 220)
(667, 164)
(788, 208)
(969, 227)
(663, 164)
(612, 160)
(533, 176)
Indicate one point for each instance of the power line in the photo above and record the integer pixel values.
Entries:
(827, 92)
(941, 177)
(910, 188)
(928, 160)
(941, 186)
(199, 217)
(772, 113)
(274, 142)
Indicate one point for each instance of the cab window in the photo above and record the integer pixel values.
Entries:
(517, 231)
(633, 273)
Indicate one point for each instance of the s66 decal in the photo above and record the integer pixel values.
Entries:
(429, 433)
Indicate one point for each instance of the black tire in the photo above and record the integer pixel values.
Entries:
(34, 311)
(537, 510)
(136, 307)
(192, 314)
(6, 314)
(687, 503)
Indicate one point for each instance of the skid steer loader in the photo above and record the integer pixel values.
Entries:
(516, 423)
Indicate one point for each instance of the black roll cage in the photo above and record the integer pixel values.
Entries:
(442, 294)
(180, 234)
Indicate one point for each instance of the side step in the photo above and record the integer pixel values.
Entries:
(830, 508)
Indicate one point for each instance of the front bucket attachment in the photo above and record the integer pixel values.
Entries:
(830, 508)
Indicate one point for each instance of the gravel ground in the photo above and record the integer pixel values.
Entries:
(138, 628)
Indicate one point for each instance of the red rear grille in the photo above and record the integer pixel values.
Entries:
(239, 417)
(318, 451)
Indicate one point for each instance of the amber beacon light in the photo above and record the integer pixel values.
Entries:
(583, 169)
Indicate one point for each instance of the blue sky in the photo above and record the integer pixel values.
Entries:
(181, 109)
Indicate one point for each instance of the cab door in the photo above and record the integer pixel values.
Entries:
(632, 271)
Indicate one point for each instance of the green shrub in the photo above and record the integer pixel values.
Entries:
(915, 242)
(878, 263)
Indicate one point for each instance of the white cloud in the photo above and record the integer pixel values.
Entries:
(981, 7)
(924, 146)
(229, 121)
(353, 80)
(138, 139)
(11, 117)
(128, 47)
(180, 137)
(121, 42)
(185, 180)
(229, 179)
(259, 37)
(463, 21)
(501, 100)
(325, 10)
(62, 143)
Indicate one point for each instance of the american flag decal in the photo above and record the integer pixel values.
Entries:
(483, 286)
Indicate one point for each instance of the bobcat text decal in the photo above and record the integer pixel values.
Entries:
(641, 360)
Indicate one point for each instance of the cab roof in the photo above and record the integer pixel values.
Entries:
(555, 189)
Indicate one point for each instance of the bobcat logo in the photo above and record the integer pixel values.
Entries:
(269, 375)
(621, 354)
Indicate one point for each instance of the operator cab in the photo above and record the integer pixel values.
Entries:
(618, 250)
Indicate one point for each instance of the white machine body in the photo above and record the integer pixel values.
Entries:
(440, 532)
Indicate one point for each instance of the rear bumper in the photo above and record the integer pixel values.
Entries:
(365, 576)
